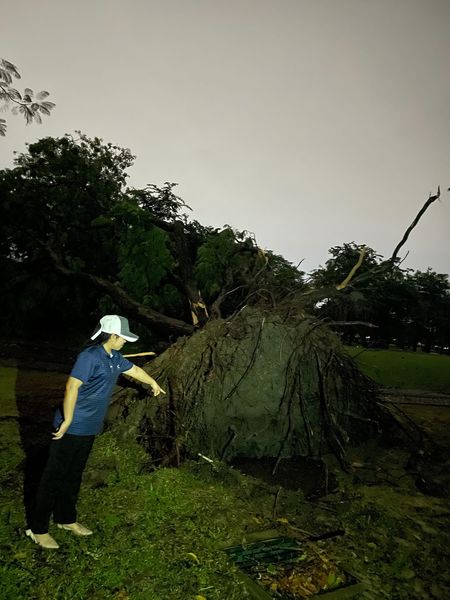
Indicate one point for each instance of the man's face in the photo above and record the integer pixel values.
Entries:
(117, 342)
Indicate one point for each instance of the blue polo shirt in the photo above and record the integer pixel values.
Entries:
(99, 372)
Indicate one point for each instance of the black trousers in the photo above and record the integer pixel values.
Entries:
(60, 483)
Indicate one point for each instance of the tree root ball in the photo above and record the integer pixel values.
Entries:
(261, 384)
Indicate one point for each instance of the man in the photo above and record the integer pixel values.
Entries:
(77, 422)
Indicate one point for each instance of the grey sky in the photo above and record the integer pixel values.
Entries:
(310, 123)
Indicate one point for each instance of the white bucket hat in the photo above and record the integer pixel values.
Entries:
(117, 325)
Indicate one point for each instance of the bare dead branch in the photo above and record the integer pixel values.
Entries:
(430, 200)
(315, 295)
(349, 277)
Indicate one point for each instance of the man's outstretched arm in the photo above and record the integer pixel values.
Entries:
(140, 375)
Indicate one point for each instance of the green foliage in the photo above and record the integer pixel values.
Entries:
(407, 308)
(70, 196)
(161, 202)
(57, 192)
(30, 106)
(430, 311)
(76, 214)
(230, 261)
(281, 276)
(144, 259)
(342, 260)
(218, 261)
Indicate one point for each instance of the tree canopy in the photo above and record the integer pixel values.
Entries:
(406, 307)
(74, 234)
(136, 248)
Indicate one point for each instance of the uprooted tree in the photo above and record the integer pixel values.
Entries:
(270, 381)
(252, 372)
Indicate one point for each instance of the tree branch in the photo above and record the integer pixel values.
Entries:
(430, 200)
(349, 277)
(364, 323)
(315, 295)
(142, 314)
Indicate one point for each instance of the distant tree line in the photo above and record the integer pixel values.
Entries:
(410, 309)
(76, 240)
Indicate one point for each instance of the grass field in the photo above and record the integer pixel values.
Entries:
(406, 370)
(159, 534)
